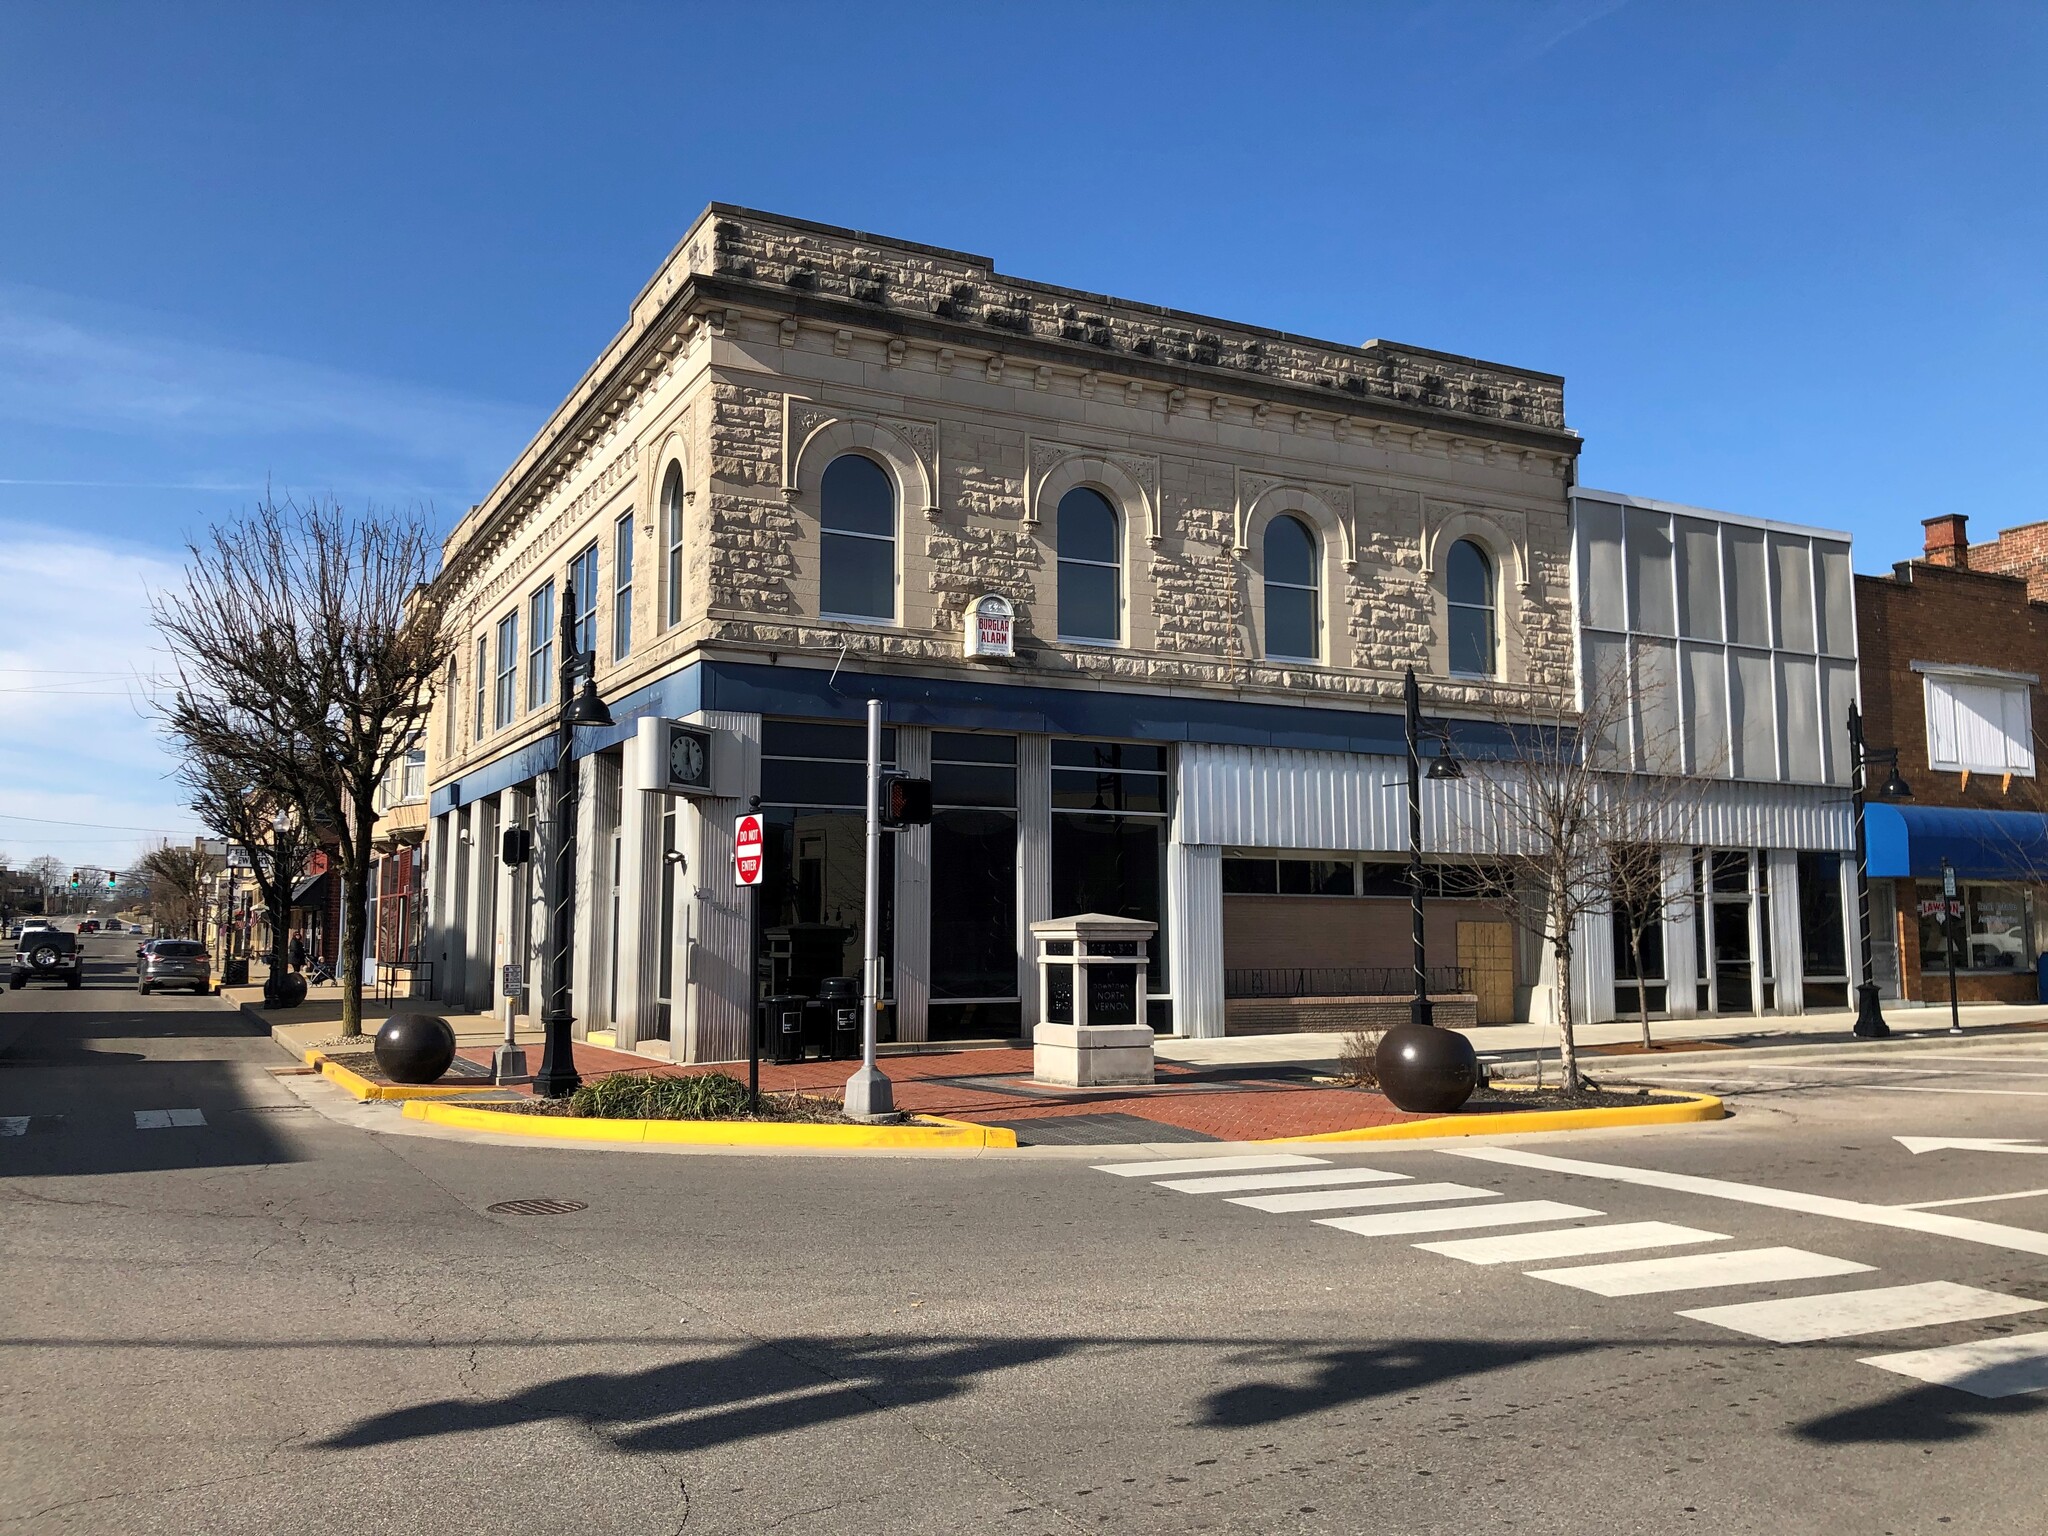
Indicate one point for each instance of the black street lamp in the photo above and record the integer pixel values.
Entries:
(1870, 1024)
(557, 1077)
(1421, 1068)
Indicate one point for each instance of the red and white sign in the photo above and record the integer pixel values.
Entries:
(990, 627)
(1932, 908)
(746, 850)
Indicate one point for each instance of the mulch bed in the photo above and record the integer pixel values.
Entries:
(776, 1109)
(1511, 1100)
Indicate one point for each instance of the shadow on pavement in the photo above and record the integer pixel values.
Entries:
(774, 1387)
(1926, 1415)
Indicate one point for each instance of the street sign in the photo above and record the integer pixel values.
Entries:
(746, 850)
(514, 980)
(1948, 882)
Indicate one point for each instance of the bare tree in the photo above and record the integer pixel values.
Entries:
(310, 631)
(178, 878)
(1577, 810)
(237, 795)
(48, 871)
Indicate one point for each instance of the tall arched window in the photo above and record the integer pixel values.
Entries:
(857, 560)
(1468, 582)
(1091, 574)
(672, 545)
(1293, 606)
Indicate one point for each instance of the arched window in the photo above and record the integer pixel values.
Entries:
(1468, 581)
(1091, 574)
(672, 544)
(857, 561)
(1293, 606)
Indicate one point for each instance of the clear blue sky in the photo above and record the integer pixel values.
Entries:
(1788, 257)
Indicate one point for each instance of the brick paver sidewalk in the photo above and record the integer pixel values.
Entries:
(995, 1087)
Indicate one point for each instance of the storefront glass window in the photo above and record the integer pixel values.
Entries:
(813, 883)
(1109, 842)
(1996, 928)
(974, 887)
(1822, 938)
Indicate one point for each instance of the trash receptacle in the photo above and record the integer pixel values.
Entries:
(782, 1027)
(235, 973)
(2041, 978)
(839, 1001)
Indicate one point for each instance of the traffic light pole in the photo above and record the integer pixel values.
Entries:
(869, 1095)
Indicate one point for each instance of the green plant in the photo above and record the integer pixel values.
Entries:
(639, 1096)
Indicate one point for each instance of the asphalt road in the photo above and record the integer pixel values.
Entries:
(277, 1315)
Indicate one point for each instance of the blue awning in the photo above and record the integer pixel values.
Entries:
(1912, 840)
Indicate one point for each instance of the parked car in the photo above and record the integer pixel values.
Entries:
(45, 954)
(174, 963)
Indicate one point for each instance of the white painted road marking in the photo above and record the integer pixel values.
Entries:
(1700, 1271)
(1844, 1314)
(1304, 1178)
(1964, 1228)
(164, 1119)
(1918, 1144)
(1337, 1199)
(1457, 1218)
(1996, 1093)
(13, 1125)
(1989, 1367)
(1209, 1164)
(1571, 1242)
(1935, 1205)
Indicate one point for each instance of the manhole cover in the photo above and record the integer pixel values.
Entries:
(536, 1207)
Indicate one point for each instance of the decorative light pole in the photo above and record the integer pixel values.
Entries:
(1870, 1024)
(557, 1076)
(1421, 1068)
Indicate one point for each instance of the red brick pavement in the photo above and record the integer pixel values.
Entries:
(995, 1085)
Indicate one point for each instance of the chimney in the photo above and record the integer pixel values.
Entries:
(1948, 542)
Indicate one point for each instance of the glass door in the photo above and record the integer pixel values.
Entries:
(1733, 961)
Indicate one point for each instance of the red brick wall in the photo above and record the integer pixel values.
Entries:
(2022, 552)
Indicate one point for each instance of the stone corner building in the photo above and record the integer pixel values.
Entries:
(774, 496)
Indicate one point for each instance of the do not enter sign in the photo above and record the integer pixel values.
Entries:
(746, 850)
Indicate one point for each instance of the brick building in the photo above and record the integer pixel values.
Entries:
(1953, 649)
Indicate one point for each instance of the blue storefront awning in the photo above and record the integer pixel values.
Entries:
(1910, 841)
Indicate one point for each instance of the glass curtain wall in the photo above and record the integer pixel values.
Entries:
(813, 884)
(974, 887)
(1109, 829)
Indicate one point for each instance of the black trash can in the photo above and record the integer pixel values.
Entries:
(839, 1003)
(235, 973)
(782, 1027)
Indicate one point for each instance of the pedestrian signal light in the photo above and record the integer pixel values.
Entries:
(906, 802)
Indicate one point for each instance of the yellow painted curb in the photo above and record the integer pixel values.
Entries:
(931, 1133)
(1695, 1107)
(361, 1088)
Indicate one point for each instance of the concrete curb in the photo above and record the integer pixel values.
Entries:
(362, 1089)
(1695, 1107)
(931, 1133)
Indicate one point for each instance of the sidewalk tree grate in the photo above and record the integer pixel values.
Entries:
(542, 1207)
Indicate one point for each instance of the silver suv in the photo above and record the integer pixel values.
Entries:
(174, 963)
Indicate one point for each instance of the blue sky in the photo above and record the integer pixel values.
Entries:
(1789, 258)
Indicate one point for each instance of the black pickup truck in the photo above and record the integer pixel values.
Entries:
(46, 954)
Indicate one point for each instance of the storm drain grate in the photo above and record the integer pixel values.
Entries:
(536, 1207)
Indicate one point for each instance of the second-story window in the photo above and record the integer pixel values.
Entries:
(1293, 605)
(857, 553)
(507, 690)
(483, 674)
(583, 588)
(540, 648)
(672, 545)
(622, 588)
(1468, 582)
(451, 724)
(1091, 574)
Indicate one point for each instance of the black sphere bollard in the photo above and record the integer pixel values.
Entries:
(1426, 1070)
(284, 990)
(415, 1047)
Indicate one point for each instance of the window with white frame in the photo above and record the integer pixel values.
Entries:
(540, 648)
(1979, 723)
(506, 695)
(672, 542)
(622, 588)
(483, 676)
(583, 594)
(857, 553)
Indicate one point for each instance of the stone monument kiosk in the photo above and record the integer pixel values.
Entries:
(1092, 1028)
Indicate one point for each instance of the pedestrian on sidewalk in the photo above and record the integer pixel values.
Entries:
(298, 952)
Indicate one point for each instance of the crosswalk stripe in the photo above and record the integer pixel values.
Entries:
(1571, 1242)
(1210, 1164)
(1843, 1314)
(1337, 1199)
(1987, 1367)
(165, 1119)
(1304, 1178)
(1457, 1218)
(14, 1125)
(1700, 1271)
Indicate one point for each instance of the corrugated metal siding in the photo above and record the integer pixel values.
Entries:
(1194, 953)
(1271, 797)
(719, 1000)
(913, 899)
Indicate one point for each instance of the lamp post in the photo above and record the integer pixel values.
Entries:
(1870, 1024)
(281, 911)
(557, 1076)
(1422, 1068)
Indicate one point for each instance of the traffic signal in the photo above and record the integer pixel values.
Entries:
(74, 880)
(906, 802)
(113, 881)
